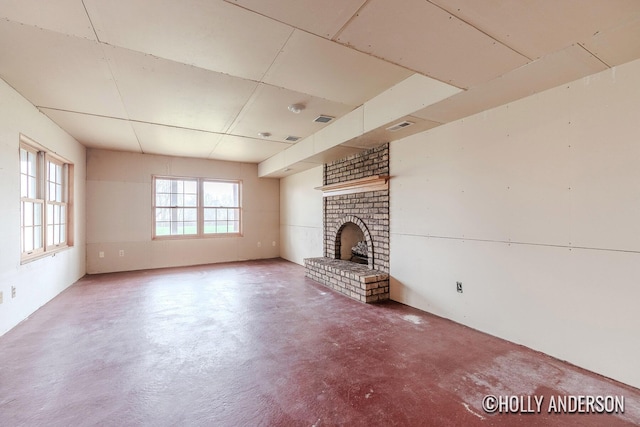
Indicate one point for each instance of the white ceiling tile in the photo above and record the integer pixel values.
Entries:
(267, 111)
(553, 70)
(171, 141)
(164, 92)
(58, 71)
(424, 38)
(209, 34)
(319, 67)
(240, 149)
(96, 131)
(323, 18)
(618, 45)
(536, 28)
(64, 16)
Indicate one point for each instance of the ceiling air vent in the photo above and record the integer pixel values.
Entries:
(399, 126)
(291, 138)
(323, 119)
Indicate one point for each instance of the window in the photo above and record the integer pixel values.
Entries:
(195, 207)
(45, 183)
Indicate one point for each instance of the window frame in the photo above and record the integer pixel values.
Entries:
(200, 208)
(44, 158)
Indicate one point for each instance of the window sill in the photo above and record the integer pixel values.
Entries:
(197, 236)
(26, 259)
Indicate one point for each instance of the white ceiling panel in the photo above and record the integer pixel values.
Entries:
(164, 92)
(96, 131)
(535, 28)
(267, 111)
(157, 139)
(425, 38)
(553, 70)
(319, 67)
(240, 149)
(64, 16)
(323, 18)
(618, 45)
(58, 71)
(208, 34)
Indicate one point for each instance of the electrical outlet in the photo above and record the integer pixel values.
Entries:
(13, 292)
(259, 244)
(459, 286)
(0, 297)
(101, 254)
(273, 243)
(121, 253)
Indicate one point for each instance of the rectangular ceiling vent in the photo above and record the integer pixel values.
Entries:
(323, 119)
(399, 126)
(291, 138)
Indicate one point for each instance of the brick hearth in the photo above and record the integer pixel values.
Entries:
(355, 280)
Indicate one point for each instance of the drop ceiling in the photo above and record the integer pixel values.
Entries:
(203, 78)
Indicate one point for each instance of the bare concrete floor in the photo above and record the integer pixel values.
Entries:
(256, 343)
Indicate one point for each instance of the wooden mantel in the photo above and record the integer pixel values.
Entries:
(370, 183)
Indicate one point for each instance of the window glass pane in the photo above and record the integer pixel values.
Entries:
(163, 214)
(31, 191)
(209, 227)
(49, 235)
(63, 233)
(163, 199)
(49, 216)
(209, 214)
(234, 226)
(24, 165)
(163, 186)
(28, 214)
(190, 200)
(163, 228)
(190, 214)
(58, 192)
(37, 237)
(31, 166)
(24, 191)
(220, 193)
(28, 239)
(221, 214)
(37, 213)
(190, 228)
(56, 234)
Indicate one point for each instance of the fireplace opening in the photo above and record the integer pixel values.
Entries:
(353, 246)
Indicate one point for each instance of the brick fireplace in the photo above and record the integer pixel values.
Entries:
(356, 227)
